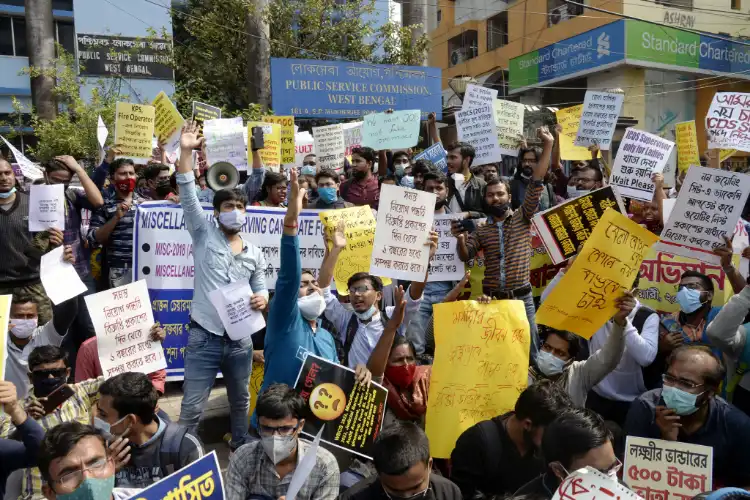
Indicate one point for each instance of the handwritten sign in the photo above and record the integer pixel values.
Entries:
(687, 145)
(509, 119)
(598, 119)
(304, 145)
(639, 157)
(728, 121)
(565, 227)
(232, 302)
(445, 265)
(203, 112)
(661, 469)
(349, 414)
(477, 96)
(134, 128)
(122, 319)
(330, 147)
(707, 210)
(5, 301)
(607, 266)
(270, 154)
(478, 374)
(397, 130)
(477, 127)
(225, 142)
(286, 124)
(590, 484)
(570, 119)
(436, 155)
(168, 122)
(201, 479)
(403, 226)
(46, 207)
(352, 136)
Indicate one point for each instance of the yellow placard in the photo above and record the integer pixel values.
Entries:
(570, 119)
(611, 257)
(287, 136)
(271, 153)
(726, 153)
(481, 366)
(360, 234)
(4, 317)
(134, 129)
(256, 382)
(687, 145)
(168, 121)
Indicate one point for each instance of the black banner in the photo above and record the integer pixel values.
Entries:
(129, 57)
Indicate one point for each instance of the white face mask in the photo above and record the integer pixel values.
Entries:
(364, 316)
(458, 178)
(583, 192)
(232, 220)
(572, 192)
(549, 364)
(348, 306)
(278, 447)
(311, 306)
(23, 328)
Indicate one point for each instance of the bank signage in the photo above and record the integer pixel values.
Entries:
(332, 89)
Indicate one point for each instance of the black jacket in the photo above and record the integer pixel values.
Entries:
(473, 201)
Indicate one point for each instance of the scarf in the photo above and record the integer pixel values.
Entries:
(410, 403)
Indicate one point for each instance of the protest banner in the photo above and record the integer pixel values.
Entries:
(286, 124)
(28, 168)
(200, 479)
(726, 153)
(570, 119)
(563, 228)
(352, 137)
(396, 130)
(304, 145)
(477, 96)
(655, 468)
(225, 142)
(403, 227)
(509, 120)
(707, 210)
(478, 374)
(598, 119)
(203, 112)
(46, 207)
(134, 128)
(590, 484)
(167, 122)
(5, 301)
(270, 154)
(728, 121)
(350, 414)
(163, 257)
(59, 278)
(606, 267)
(101, 132)
(254, 385)
(435, 154)
(445, 265)
(477, 127)
(687, 145)
(330, 147)
(122, 318)
(639, 157)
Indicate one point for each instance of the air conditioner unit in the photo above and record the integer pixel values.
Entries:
(559, 14)
(458, 56)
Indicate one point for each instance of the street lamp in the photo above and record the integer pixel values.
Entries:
(459, 83)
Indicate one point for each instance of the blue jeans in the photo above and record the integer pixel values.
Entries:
(205, 355)
(528, 302)
(434, 293)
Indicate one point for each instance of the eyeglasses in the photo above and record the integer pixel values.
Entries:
(71, 480)
(55, 373)
(680, 382)
(613, 469)
(308, 163)
(359, 289)
(283, 430)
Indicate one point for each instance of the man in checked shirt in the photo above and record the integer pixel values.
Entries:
(506, 239)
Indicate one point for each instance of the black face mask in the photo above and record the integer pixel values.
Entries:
(359, 174)
(499, 210)
(163, 188)
(44, 386)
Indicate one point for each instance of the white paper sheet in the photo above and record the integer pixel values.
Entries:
(101, 132)
(232, 302)
(305, 467)
(46, 207)
(59, 278)
(29, 169)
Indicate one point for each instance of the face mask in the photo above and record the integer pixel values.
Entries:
(689, 300)
(499, 210)
(309, 170)
(311, 306)
(526, 172)
(92, 488)
(400, 171)
(407, 182)
(9, 193)
(683, 403)
(348, 306)
(458, 178)
(328, 194)
(549, 364)
(440, 204)
(163, 188)
(572, 192)
(23, 328)
(232, 220)
(583, 192)
(278, 447)
(359, 174)
(424, 494)
(401, 376)
(104, 426)
(364, 316)
(127, 186)
(45, 386)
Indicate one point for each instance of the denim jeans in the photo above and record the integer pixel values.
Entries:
(528, 302)
(434, 293)
(205, 355)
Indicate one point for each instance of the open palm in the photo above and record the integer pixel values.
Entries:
(190, 138)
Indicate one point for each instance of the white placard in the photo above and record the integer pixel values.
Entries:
(403, 227)
(225, 141)
(46, 207)
(445, 265)
(477, 127)
(122, 318)
(232, 302)
(59, 278)
(667, 205)
(728, 121)
(477, 96)
(707, 210)
(28, 168)
(101, 132)
(303, 146)
(330, 147)
(352, 136)
(640, 156)
(590, 484)
(509, 119)
(305, 468)
(598, 119)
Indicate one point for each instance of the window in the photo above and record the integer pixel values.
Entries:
(678, 4)
(66, 36)
(497, 31)
(13, 36)
(439, 16)
(736, 4)
(6, 37)
(462, 48)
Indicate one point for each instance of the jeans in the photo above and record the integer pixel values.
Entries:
(434, 293)
(528, 302)
(205, 355)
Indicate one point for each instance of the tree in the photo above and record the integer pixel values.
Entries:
(40, 38)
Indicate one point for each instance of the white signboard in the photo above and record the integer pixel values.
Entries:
(29, 169)
(352, 136)
(225, 141)
(590, 484)
(477, 96)
(303, 146)
(640, 156)
(598, 119)
(445, 265)
(396, 130)
(477, 127)
(728, 121)
(509, 119)
(46, 207)
(330, 147)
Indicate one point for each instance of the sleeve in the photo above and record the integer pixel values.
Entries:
(99, 175)
(258, 279)
(86, 361)
(253, 183)
(335, 312)
(329, 482)
(98, 219)
(605, 360)
(24, 454)
(531, 200)
(468, 469)
(644, 345)
(284, 311)
(235, 487)
(551, 285)
(47, 335)
(90, 390)
(411, 310)
(81, 201)
(191, 207)
(639, 421)
(726, 331)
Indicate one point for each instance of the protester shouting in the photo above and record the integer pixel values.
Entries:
(272, 191)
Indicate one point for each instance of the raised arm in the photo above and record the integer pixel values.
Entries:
(101, 172)
(659, 196)
(727, 330)
(255, 180)
(382, 163)
(191, 205)
(534, 192)
(432, 129)
(725, 253)
(338, 243)
(417, 288)
(379, 357)
(93, 194)
(713, 159)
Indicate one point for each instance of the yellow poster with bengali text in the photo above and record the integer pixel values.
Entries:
(4, 318)
(606, 267)
(168, 121)
(134, 129)
(478, 374)
(271, 153)
(570, 119)
(726, 153)
(256, 382)
(287, 136)
(687, 145)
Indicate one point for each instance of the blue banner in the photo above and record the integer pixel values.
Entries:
(332, 89)
(201, 479)
(435, 154)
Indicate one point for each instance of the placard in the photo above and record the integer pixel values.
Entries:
(5, 301)
(728, 121)
(122, 319)
(203, 112)
(46, 207)
(726, 153)
(655, 468)
(167, 122)
(477, 96)
(270, 155)
(225, 142)
(101, 132)
(352, 136)
(477, 127)
(563, 228)
(570, 119)
(687, 145)
(330, 147)
(509, 119)
(590, 484)
(232, 303)
(446, 264)
(606, 267)
(134, 128)
(403, 227)
(639, 157)
(28, 168)
(124, 56)
(201, 479)
(436, 154)
(397, 130)
(304, 145)
(481, 366)
(707, 210)
(350, 414)
(286, 124)
(598, 119)
(59, 278)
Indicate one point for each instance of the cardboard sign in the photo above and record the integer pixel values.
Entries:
(134, 128)
(436, 154)
(397, 130)
(728, 121)
(477, 96)
(225, 142)
(203, 112)
(330, 147)
(570, 119)
(46, 207)
(590, 484)
(286, 124)
(509, 119)
(350, 415)
(445, 265)
(304, 145)
(598, 119)
(687, 145)
(639, 157)
(201, 479)
(168, 124)
(477, 127)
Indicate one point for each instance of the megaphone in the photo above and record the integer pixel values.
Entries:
(222, 175)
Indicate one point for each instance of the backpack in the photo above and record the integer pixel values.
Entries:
(351, 331)
(169, 453)
(651, 373)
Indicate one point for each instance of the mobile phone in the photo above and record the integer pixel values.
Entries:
(56, 398)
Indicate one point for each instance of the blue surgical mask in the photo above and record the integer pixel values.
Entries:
(407, 181)
(400, 172)
(232, 220)
(309, 170)
(364, 316)
(549, 364)
(689, 300)
(328, 194)
(91, 488)
(682, 402)
(9, 193)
